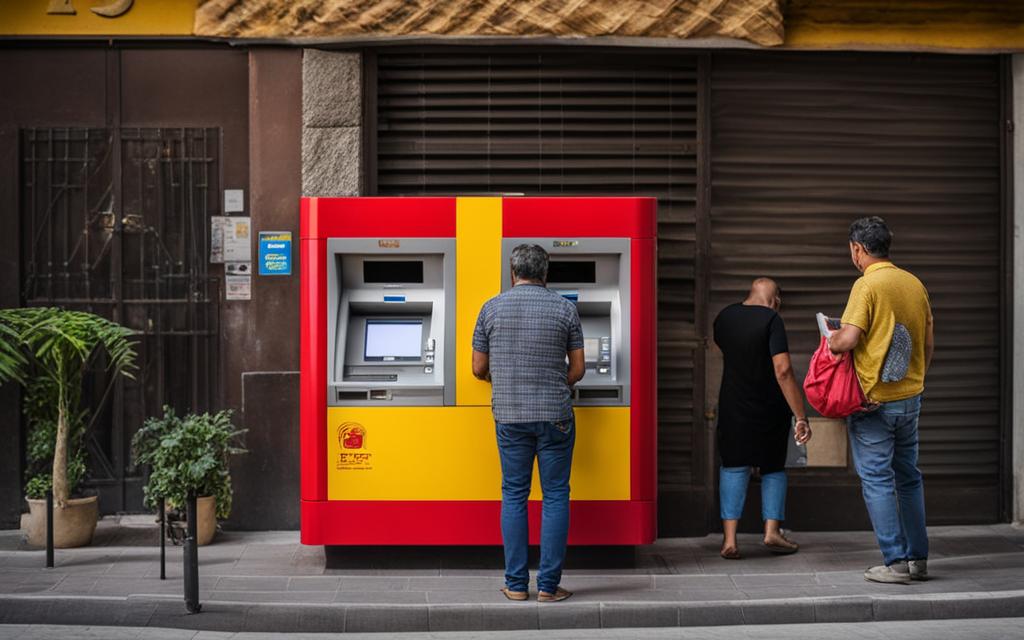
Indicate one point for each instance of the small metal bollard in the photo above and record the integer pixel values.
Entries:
(191, 557)
(163, 539)
(49, 529)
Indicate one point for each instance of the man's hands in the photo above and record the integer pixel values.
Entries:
(577, 367)
(845, 339)
(803, 431)
(482, 366)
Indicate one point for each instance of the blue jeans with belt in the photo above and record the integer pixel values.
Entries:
(884, 447)
(551, 443)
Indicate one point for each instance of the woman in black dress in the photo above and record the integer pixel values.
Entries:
(759, 394)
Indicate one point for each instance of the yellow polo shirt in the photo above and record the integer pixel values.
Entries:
(880, 298)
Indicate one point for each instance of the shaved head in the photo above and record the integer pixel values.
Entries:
(764, 287)
(765, 292)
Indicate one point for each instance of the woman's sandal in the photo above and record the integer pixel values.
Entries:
(731, 553)
(518, 596)
(786, 549)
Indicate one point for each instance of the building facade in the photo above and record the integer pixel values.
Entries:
(761, 144)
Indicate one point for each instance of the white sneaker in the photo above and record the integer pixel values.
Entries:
(895, 573)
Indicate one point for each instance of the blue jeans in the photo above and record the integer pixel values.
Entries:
(518, 444)
(732, 489)
(884, 447)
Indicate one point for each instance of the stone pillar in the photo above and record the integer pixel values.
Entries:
(1017, 435)
(332, 94)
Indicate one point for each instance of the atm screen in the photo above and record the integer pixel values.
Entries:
(392, 340)
(590, 349)
(393, 271)
(572, 271)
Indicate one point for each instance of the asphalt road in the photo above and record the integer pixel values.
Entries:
(975, 629)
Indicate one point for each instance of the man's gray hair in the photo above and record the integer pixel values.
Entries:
(873, 234)
(530, 262)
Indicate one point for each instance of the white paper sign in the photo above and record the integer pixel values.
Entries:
(217, 224)
(237, 287)
(237, 239)
(234, 200)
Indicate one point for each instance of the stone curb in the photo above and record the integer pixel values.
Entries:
(169, 612)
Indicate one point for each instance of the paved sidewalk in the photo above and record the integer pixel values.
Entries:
(974, 629)
(270, 582)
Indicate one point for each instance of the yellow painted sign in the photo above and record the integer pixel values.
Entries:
(97, 17)
(451, 453)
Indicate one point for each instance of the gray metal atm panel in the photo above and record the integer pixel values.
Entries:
(605, 302)
(353, 381)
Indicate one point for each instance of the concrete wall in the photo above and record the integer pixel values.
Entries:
(1018, 288)
(264, 344)
(331, 123)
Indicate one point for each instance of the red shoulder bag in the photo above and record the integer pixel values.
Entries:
(831, 385)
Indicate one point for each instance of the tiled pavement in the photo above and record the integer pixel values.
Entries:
(270, 582)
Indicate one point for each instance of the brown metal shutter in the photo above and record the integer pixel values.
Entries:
(802, 144)
(467, 121)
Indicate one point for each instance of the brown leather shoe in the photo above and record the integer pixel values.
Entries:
(559, 595)
(518, 596)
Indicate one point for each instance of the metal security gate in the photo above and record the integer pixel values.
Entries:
(802, 144)
(115, 221)
(458, 121)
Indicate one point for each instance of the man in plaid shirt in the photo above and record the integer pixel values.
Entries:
(520, 345)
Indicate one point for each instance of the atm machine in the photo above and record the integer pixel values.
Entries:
(397, 437)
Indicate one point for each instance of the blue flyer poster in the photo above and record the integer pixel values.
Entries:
(275, 253)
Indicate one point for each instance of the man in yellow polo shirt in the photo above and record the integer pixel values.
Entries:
(888, 326)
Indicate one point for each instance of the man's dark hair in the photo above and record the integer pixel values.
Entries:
(873, 234)
(530, 262)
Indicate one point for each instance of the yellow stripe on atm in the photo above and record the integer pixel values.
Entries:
(477, 279)
(451, 453)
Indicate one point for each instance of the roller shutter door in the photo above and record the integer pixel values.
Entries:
(801, 146)
(463, 121)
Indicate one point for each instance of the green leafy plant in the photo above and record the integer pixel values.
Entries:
(188, 454)
(59, 346)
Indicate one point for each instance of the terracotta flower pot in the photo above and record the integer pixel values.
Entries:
(206, 519)
(73, 526)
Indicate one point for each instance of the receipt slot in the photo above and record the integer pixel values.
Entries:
(397, 436)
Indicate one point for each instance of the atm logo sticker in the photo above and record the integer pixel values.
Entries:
(352, 441)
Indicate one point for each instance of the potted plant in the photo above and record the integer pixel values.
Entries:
(189, 455)
(40, 414)
(48, 350)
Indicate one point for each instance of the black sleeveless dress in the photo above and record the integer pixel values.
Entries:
(753, 416)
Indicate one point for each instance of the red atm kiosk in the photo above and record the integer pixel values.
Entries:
(397, 437)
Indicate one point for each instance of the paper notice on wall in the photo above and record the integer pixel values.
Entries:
(230, 239)
(234, 200)
(217, 225)
(237, 287)
(238, 280)
(238, 239)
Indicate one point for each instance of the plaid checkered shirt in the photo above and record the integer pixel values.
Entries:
(527, 332)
